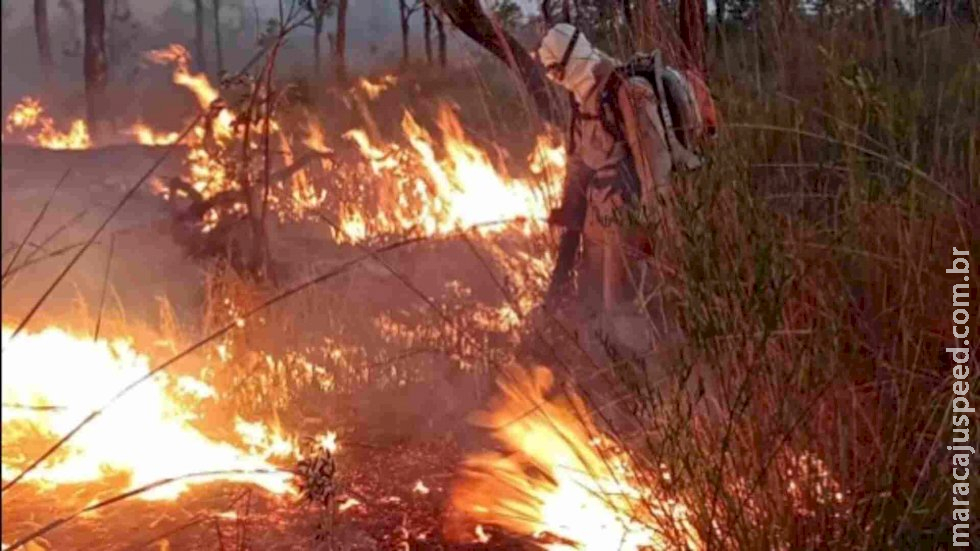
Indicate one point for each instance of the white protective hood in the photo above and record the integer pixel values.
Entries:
(580, 72)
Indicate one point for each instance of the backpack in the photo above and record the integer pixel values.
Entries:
(685, 107)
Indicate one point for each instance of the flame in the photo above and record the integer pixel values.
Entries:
(28, 117)
(439, 188)
(561, 480)
(214, 160)
(146, 135)
(373, 90)
(348, 503)
(58, 378)
(25, 114)
(180, 58)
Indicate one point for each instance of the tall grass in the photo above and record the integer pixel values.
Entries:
(808, 278)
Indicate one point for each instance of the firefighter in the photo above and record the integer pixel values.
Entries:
(620, 159)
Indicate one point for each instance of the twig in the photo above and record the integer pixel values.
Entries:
(95, 235)
(195, 520)
(904, 165)
(22, 542)
(105, 286)
(37, 220)
(29, 407)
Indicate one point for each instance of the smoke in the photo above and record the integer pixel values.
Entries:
(373, 40)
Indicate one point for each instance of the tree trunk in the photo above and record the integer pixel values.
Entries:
(43, 35)
(946, 12)
(341, 46)
(566, 10)
(441, 35)
(219, 57)
(199, 55)
(546, 12)
(119, 14)
(317, 33)
(95, 67)
(404, 14)
(692, 23)
(469, 17)
(427, 16)
(721, 11)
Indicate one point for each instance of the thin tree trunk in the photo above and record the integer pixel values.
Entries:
(118, 14)
(469, 17)
(721, 9)
(427, 17)
(199, 55)
(546, 12)
(882, 27)
(566, 10)
(95, 67)
(404, 15)
(219, 57)
(945, 12)
(441, 36)
(43, 35)
(721, 12)
(317, 54)
(692, 23)
(341, 46)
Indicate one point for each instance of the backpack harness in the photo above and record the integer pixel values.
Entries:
(675, 102)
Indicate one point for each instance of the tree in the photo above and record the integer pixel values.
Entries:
(405, 12)
(341, 38)
(120, 31)
(319, 9)
(427, 32)
(43, 35)
(692, 25)
(199, 55)
(95, 66)
(219, 58)
(72, 45)
(441, 36)
(469, 17)
(721, 11)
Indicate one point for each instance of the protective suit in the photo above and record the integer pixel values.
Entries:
(607, 174)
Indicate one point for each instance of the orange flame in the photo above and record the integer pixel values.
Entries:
(373, 90)
(437, 189)
(56, 378)
(213, 142)
(146, 135)
(586, 493)
(28, 117)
